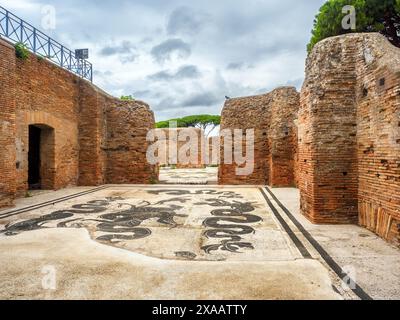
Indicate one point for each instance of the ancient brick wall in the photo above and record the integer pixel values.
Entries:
(47, 96)
(7, 125)
(92, 137)
(327, 135)
(246, 113)
(349, 149)
(128, 123)
(378, 136)
(283, 138)
(175, 140)
(75, 119)
(272, 116)
(213, 154)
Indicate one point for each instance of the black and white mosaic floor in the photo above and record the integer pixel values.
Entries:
(166, 222)
(186, 242)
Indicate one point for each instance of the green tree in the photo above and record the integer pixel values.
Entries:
(371, 16)
(166, 124)
(206, 122)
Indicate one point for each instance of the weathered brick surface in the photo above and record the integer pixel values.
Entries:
(7, 125)
(128, 124)
(247, 113)
(349, 128)
(91, 158)
(327, 135)
(213, 151)
(76, 119)
(174, 141)
(47, 96)
(272, 116)
(378, 136)
(283, 138)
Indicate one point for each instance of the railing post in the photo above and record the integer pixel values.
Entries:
(21, 26)
(62, 56)
(34, 40)
(49, 48)
(80, 68)
(7, 27)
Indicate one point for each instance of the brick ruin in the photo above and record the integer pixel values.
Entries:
(339, 142)
(85, 136)
(349, 134)
(213, 151)
(205, 153)
(171, 141)
(272, 116)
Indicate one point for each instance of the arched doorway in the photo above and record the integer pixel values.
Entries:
(41, 169)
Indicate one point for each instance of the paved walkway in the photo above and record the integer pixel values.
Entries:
(186, 242)
(207, 176)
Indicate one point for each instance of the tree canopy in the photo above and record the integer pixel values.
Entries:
(371, 16)
(203, 121)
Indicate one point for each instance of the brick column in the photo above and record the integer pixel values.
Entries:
(283, 137)
(128, 123)
(7, 125)
(328, 129)
(92, 158)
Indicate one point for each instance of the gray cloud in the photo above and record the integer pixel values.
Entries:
(184, 72)
(164, 50)
(142, 93)
(188, 101)
(204, 99)
(125, 47)
(232, 36)
(235, 65)
(185, 20)
(99, 73)
(126, 51)
(188, 72)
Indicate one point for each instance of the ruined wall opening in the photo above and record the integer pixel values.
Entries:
(41, 156)
(186, 156)
(34, 157)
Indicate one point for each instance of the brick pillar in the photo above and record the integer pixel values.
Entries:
(378, 135)
(91, 136)
(128, 123)
(245, 113)
(328, 129)
(283, 137)
(7, 125)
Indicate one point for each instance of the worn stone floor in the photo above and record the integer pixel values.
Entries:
(207, 176)
(186, 242)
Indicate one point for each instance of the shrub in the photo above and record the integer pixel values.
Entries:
(127, 98)
(21, 51)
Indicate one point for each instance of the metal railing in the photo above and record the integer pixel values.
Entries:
(20, 31)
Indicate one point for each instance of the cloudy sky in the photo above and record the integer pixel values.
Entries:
(183, 56)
